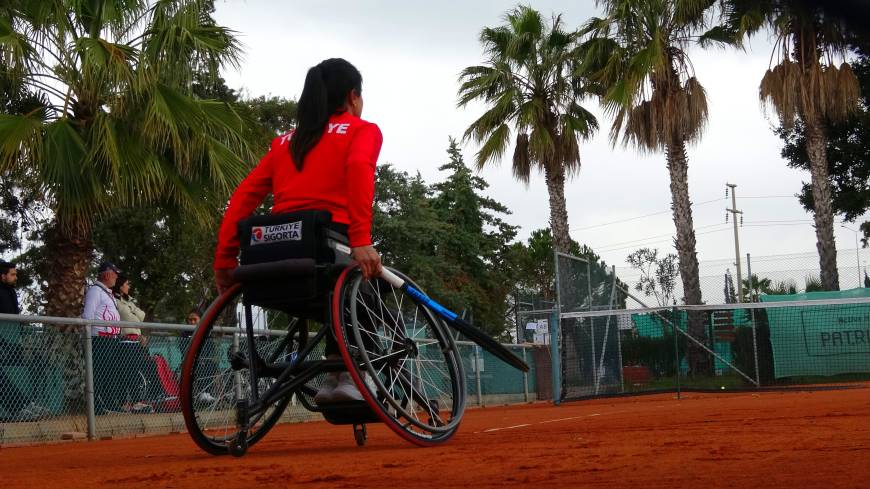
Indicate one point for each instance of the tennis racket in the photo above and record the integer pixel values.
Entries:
(451, 318)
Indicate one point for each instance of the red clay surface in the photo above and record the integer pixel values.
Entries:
(771, 440)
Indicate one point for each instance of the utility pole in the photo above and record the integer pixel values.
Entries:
(733, 211)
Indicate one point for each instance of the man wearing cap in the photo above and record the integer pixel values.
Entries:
(109, 390)
(100, 303)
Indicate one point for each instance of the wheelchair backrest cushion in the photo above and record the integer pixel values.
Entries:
(294, 235)
(300, 234)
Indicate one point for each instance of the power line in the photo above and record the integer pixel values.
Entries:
(776, 225)
(779, 221)
(769, 197)
(650, 237)
(605, 249)
(655, 242)
(641, 217)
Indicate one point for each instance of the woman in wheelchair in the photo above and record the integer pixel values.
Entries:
(326, 163)
(390, 353)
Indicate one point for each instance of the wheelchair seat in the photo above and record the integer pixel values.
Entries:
(289, 262)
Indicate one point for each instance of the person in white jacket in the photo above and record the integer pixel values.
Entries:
(128, 310)
(109, 388)
(100, 302)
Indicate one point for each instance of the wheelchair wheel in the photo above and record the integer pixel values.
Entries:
(215, 377)
(401, 358)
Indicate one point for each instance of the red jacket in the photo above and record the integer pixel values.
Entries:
(338, 176)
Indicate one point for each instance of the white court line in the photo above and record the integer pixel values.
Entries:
(540, 422)
(560, 419)
(506, 428)
(566, 419)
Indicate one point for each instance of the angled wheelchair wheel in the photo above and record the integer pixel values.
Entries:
(215, 386)
(401, 358)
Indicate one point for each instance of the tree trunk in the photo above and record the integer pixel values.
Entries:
(558, 208)
(69, 254)
(678, 167)
(823, 212)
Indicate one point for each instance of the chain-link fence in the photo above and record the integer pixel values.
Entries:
(611, 342)
(772, 274)
(590, 351)
(49, 366)
(739, 346)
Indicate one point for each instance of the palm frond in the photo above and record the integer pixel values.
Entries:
(20, 139)
(492, 119)
(181, 33)
(529, 82)
(79, 194)
(494, 145)
(522, 161)
(719, 35)
(638, 52)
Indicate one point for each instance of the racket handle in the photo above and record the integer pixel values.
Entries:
(391, 278)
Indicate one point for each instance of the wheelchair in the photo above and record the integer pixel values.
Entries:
(296, 276)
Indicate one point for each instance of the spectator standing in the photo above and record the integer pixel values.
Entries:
(192, 319)
(12, 400)
(135, 354)
(8, 296)
(128, 310)
(100, 305)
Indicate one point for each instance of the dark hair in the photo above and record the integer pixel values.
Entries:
(5, 266)
(326, 88)
(122, 279)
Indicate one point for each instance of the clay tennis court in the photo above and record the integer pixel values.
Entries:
(769, 439)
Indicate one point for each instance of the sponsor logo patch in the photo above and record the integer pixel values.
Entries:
(275, 234)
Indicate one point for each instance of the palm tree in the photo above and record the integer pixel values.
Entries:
(113, 122)
(805, 84)
(638, 52)
(116, 122)
(529, 84)
(754, 286)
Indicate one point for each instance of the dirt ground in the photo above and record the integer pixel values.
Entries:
(771, 440)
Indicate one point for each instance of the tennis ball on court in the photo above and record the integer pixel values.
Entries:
(723, 387)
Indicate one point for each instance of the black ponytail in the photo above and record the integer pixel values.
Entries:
(327, 86)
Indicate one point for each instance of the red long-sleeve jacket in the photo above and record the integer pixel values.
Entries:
(338, 176)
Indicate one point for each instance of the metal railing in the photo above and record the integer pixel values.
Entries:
(57, 381)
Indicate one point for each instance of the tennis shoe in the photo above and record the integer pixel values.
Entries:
(346, 390)
(325, 393)
(206, 398)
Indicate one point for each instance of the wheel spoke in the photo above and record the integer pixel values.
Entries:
(418, 380)
(216, 387)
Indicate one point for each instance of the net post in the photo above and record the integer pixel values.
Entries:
(555, 357)
(477, 374)
(525, 378)
(618, 334)
(754, 333)
(555, 327)
(674, 321)
(89, 384)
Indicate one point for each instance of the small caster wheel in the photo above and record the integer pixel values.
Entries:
(359, 434)
(239, 444)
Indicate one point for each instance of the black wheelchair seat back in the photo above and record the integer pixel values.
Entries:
(288, 261)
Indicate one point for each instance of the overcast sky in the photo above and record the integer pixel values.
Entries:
(410, 53)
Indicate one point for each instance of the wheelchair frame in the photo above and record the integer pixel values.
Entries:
(291, 377)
